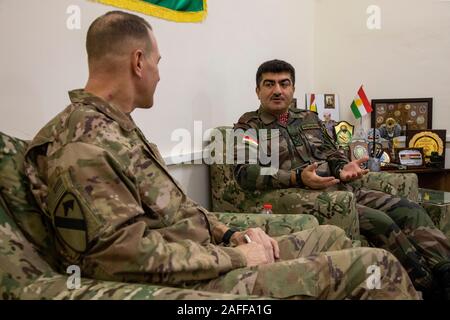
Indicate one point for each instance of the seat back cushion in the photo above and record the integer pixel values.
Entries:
(18, 199)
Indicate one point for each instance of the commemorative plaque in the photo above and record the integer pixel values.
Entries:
(358, 150)
(431, 141)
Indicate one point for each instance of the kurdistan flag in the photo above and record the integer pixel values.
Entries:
(174, 10)
(313, 106)
(361, 105)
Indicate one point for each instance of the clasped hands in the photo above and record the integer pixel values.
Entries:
(261, 249)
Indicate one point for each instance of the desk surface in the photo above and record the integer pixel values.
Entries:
(416, 170)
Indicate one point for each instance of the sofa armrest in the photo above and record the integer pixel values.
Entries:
(54, 287)
(274, 224)
(397, 184)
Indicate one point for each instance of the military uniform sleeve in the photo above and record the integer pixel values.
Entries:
(336, 160)
(100, 223)
(249, 173)
(218, 229)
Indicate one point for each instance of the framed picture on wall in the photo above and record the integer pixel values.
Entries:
(393, 117)
(329, 101)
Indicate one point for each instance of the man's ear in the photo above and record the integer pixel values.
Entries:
(137, 63)
(257, 91)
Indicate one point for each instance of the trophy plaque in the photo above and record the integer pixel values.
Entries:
(431, 141)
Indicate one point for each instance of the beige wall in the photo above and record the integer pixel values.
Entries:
(207, 69)
(407, 58)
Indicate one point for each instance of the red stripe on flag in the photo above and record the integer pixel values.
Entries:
(364, 99)
(313, 97)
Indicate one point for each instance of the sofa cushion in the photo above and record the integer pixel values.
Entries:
(20, 264)
(18, 199)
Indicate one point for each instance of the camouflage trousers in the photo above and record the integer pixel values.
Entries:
(403, 228)
(319, 263)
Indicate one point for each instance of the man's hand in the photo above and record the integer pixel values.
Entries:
(352, 171)
(313, 181)
(255, 253)
(257, 235)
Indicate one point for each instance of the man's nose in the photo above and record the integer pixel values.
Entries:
(277, 89)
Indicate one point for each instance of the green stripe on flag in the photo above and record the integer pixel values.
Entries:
(179, 5)
(174, 10)
(355, 110)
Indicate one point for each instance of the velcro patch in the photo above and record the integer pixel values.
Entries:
(310, 126)
(70, 223)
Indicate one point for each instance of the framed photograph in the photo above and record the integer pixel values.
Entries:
(329, 101)
(410, 157)
(393, 117)
(324, 104)
(431, 141)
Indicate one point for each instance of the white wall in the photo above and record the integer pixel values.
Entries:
(407, 58)
(207, 70)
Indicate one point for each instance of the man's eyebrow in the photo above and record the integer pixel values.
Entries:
(282, 80)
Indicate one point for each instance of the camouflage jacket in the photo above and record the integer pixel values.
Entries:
(302, 141)
(115, 209)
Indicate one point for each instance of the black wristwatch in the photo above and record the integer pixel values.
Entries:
(227, 236)
(298, 177)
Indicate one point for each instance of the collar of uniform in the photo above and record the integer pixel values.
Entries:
(112, 111)
(294, 113)
(266, 117)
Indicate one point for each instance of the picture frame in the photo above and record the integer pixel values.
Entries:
(329, 101)
(320, 104)
(393, 117)
(410, 157)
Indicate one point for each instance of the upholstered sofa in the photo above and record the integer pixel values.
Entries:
(26, 255)
(337, 207)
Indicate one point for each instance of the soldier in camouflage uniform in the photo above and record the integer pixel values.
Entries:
(308, 158)
(117, 213)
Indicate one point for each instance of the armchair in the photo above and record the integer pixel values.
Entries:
(336, 207)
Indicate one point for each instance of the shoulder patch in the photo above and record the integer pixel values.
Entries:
(73, 219)
(70, 224)
(247, 139)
